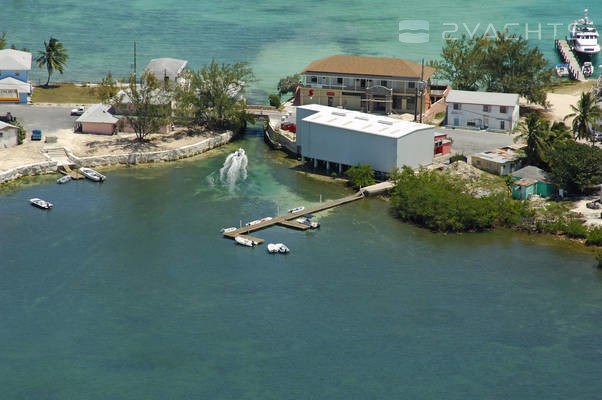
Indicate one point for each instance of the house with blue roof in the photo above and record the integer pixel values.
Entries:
(14, 76)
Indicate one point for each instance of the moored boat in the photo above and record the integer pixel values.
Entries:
(46, 205)
(228, 230)
(92, 175)
(63, 179)
(278, 248)
(562, 70)
(306, 221)
(296, 209)
(587, 69)
(255, 222)
(244, 241)
(584, 36)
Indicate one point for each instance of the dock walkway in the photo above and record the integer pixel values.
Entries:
(569, 58)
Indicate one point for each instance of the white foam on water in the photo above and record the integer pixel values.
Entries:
(234, 169)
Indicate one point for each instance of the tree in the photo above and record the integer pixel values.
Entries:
(274, 99)
(107, 89)
(53, 57)
(289, 84)
(586, 114)
(2, 40)
(21, 133)
(504, 63)
(214, 96)
(148, 105)
(535, 132)
(575, 166)
(361, 175)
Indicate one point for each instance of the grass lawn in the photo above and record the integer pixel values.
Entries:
(65, 93)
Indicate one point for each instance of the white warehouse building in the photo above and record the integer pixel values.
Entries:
(346, 138)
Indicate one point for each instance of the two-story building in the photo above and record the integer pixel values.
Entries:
(14, 76)
(367, 84)
(482, 110)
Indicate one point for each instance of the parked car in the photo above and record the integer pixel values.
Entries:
(36, 134)
(289, 126)
(78, 110)
(597, 136)
(8, 118)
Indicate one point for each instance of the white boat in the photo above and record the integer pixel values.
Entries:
(277, 248)
(306, 221)
(239, 152)
(562, 70)
(584, 36)
(228, 230)
(41, 203)
(266, 219)
(587, 69)
(64, 179)
(296, 209)
(92, 175)
(244, 241)
(257, 221)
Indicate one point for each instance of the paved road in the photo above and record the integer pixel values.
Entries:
(47, 118)
(471, 142)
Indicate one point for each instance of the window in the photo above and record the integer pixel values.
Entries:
(502, 109)
(17, 73)
(340, 81)
(502, 124)
(411, 85)
(411, 101)
(485, 122)
(383, 83)
(471, 122)
(314, 79)
(457, 106)
(485, 108)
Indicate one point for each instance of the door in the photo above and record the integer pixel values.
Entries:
(456, 122)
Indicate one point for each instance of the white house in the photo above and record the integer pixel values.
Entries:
(8, 135)
(337, 138)
(14, 76)
(166, 69)
(482, 110)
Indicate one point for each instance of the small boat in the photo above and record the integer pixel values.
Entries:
(228, 230)
(296, 209)
(266, 219)
(92, 175)
(46, 205)
(562, 70)
(257, 221)
(278, 248)
(306, 221)
(245, 242)
(239, 152)
(587, 69)
(64, 179)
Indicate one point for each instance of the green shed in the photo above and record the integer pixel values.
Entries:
(531, 180)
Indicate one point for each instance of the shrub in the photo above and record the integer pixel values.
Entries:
(594, 237)
(21, 133)
(576, 229)
(360, 176)
(458, 157)
(599, 259)
(275, 100)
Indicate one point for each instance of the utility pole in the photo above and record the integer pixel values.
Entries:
(135, 61)
(421, 89)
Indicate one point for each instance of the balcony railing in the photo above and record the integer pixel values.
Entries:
(357, 88)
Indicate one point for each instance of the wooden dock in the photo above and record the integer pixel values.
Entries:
(569, 58)
(66, 170)
(288, 219)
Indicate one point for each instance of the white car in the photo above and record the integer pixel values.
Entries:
(78, 110)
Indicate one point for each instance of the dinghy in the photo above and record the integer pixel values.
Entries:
(277, 248)
(46, 205)
(244, 241)
(296, 209)
(92, 175)
(63, 179)
(228, 230)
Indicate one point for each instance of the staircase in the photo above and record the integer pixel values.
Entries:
(57, 154)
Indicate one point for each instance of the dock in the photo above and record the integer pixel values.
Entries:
(563, 48)
(66, 170)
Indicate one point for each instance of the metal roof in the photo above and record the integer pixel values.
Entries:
(162, 67)
(371, 66)
(484, 98)
(15, 60)
(4, 125)
(98, 113)
(12, 83)
(362, 122)
(531, 173)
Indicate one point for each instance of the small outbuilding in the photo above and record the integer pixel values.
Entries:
(8, 135)
(501, 161)
(531, 181)
(97, 119)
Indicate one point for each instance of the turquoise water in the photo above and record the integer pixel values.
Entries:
(276, 37)
(125, 290)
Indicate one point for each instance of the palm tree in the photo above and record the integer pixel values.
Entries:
(53, 57)
(586, 114)
(536, 132)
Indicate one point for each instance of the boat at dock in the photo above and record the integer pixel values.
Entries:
(296, 209)
(306, 221)
(92, 174)
(278, 248)
(587, 69)
(245, 242)
(46, 205)
(227, 230)
(64, 179)
(584, 36)
(562, 70)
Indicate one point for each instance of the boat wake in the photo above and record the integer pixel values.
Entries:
(234, 169)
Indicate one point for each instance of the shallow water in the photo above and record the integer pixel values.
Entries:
(125, 290)
(276, 38)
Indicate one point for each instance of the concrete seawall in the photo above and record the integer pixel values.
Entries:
(48, 167)
(278, 140)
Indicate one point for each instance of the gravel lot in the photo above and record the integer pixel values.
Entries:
(471, 142)
(47, 118)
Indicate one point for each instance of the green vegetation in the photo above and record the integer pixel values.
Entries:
(361, 175)
(289, 84)
(594, 237)
(541, 137)
(53, 57)
(575, 166)
(146, 110)
(586, 114)
(65, 93)
(214, 97)
(274, 99)
(21, 134)
(504, 63)
(107, 88)
(599, 259)
(458, 157)
(441, 202)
